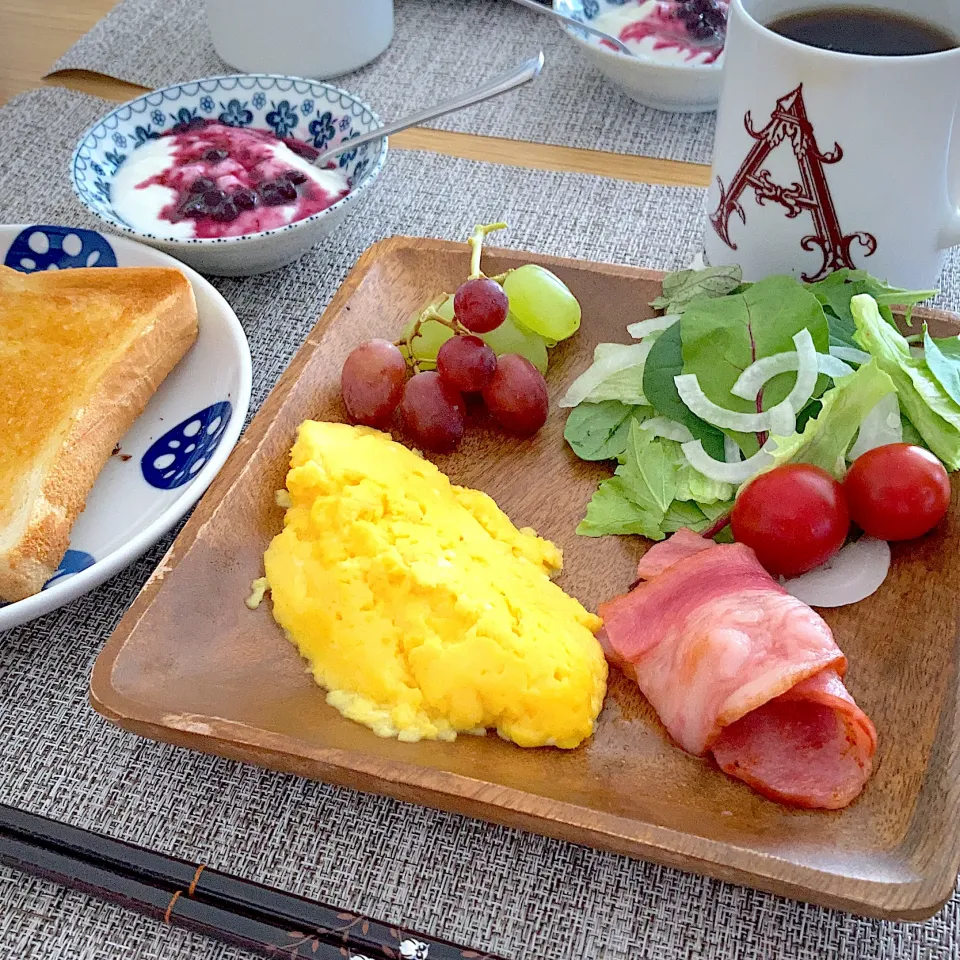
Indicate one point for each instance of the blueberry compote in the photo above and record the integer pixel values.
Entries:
(232, 181)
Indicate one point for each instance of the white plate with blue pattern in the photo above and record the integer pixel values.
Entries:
(172, 452)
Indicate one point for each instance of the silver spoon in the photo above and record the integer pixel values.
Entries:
(516, 77)
(540, 8)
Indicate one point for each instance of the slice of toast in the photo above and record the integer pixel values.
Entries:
(81, 353)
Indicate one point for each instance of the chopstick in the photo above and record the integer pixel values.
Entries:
(258, 918)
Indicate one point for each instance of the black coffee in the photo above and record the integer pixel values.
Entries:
(878, 33)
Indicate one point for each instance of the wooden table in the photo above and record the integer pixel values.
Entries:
(34, 33)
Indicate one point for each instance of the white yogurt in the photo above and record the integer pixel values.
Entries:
(140, 206)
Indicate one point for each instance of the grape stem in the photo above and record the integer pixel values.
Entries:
(476, 245)
(429, 313)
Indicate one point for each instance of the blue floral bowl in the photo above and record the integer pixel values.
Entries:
(317, 113)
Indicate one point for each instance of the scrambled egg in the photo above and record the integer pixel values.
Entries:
(420, 607)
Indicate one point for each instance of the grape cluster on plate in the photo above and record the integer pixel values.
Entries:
(488, 340)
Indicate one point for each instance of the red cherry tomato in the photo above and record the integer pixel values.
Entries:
(897, 492)
(795, 518)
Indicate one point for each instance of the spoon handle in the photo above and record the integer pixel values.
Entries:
(519, 75)
(579, 24)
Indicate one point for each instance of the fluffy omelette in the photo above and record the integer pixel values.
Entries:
(419, 606)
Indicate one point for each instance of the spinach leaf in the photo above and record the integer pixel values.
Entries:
(664, 363)
(721, 338)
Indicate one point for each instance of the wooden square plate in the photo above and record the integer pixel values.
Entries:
(190, 664)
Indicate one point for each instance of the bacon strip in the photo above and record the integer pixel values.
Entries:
(736, 666)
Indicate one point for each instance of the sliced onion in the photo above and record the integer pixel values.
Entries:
(667, 428)
(807, 373)
(609, 358)
(731, 452)
(882, 425)
(735, 473)
(753, 379)
(852, 575)
(643, 328)
(850, 354)
(783, 420)
(688, 386)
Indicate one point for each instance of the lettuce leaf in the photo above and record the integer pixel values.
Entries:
(930, 408)
(836, 292)
(654, 492)
(600, 431)
(680, 289)
(826, 440)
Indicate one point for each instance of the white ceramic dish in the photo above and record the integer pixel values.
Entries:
(678, 87)
(314, 113)
(155, 477)
(363, 30)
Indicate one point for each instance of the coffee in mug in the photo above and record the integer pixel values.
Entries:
(826, 158)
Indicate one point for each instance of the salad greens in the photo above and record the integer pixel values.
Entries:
(923, 398)
(682, 288)
(722, 337)
(599, 431)
(627, 408)
(836, 292)
(825, 441)
(653, 488)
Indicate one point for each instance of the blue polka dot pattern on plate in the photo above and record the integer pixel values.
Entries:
(73, 562)
(45, 247)
(178, 456)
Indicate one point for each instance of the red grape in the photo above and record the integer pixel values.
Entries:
(516, 396)
(372, 382)
(432, 411)
(481, 305)
(466, 363)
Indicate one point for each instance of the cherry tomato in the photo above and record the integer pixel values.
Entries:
(897, 492)
(795, 518)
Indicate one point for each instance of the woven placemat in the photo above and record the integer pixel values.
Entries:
(510, 892)
(439, 46)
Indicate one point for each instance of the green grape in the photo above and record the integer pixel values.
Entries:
(432, 336)
(542, 303)
(511, 338)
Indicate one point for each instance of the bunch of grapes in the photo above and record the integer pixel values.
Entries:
(489, 339)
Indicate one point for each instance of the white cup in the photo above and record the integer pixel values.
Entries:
(300, 38)
(826, 160)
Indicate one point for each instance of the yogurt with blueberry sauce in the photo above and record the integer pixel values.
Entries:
(669, 31)
(205, 180)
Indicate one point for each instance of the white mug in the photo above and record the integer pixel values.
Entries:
(826, 160)
(300, 38)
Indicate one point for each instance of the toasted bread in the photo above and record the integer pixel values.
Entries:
(81, 353)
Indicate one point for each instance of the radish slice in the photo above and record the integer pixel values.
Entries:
(688, 386)
(609, 359)
(850, 354)
(643, 328)
(852, 575)
(665, 427)
(882, 425)
(731, 452)
(736, 473)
